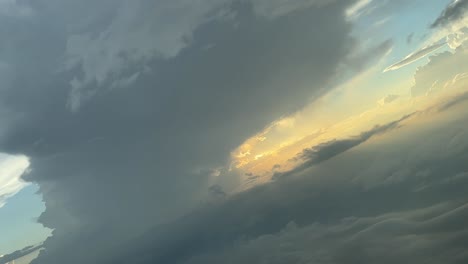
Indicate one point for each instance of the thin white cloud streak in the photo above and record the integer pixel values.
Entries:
(357, 9)
(415, 56)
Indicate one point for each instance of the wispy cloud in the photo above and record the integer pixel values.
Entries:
(357, 9)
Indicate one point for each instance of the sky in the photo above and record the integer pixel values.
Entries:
(233, 131)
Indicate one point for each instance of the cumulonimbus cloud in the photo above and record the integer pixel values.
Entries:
(125, 176)
(134, 157)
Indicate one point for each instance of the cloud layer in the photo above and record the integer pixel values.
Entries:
(399, 192)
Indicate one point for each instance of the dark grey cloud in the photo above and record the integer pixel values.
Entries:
(408, 197)
(452, 13)
(113, 161)
(19, 253)
(327, 150)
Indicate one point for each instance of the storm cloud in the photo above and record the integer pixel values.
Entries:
(116, 126)
(128, 112)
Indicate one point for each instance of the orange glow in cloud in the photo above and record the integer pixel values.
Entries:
(273, 149)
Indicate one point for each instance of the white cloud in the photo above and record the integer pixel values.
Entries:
(415, 56)
(457, 38)
(11, 170)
